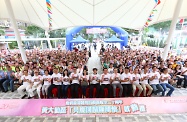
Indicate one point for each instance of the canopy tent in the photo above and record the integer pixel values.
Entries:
(79, 39)
(67, 13)
(113, 39)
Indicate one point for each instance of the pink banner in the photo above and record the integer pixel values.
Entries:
(113, 106)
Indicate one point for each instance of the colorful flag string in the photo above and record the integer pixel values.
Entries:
(48, 3)
(150, 18)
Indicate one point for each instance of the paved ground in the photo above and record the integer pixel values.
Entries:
(95, 62)
(123, 118)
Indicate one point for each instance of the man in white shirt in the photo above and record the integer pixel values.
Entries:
(116, 78)
(94, 83)
(184, 73)
(125, 82)
(75, 77)
(105, 82)
(57, 83)
(26, 80)
(154, 81)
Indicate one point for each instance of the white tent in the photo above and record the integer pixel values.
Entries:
(68, 13)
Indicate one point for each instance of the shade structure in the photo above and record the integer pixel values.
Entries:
(113, 39)
(79, 39)
(67, 13)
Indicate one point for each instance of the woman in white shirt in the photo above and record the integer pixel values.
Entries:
(74, 76)
(57, 82)
(36, 84)
(135, 79)
(164, 78)
(84, 82)
(94, 83)
(47, 82)
(66, 83)
(26, 80)
(111, 69)
(144, 82)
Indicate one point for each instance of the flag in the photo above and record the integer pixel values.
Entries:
(181, 21)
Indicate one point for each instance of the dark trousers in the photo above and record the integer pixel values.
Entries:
(108, 86)
(49, 94)
(75, 90)
(179, 81)
(185, 81)
(127, 90)
(97, 86)
(84, 90)
(1, 84)
(65, 90)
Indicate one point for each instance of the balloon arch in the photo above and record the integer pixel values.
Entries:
(122, 34)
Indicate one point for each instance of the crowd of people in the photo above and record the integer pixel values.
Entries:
(127, 70)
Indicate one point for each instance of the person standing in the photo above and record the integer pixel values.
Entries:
(47, 82)
(66, 83)
(84, 82)
(9, 79)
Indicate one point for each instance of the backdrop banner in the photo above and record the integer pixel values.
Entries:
(112, 106)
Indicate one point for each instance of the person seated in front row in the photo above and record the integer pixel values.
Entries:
(164, 82)
(75, 84)
(105, 82)
(94, 83)
(57, 82)
(116, 78)
(26, 80)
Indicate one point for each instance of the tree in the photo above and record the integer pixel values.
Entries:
(2, 32)
(13, 45)
(164, 25)
(60, 33)
(35, 31)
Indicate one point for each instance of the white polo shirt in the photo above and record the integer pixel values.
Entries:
(156, 80)
(137, 77)
(110, 70)
(106, 79)
(75, 78)
(46, 81)
(27, 78)
(55, 78)
(36, 79)
(146, 80)
(66, 80)
(165, 76)
(124, 76)
(183, 70)
(94, 78)
(116, 78)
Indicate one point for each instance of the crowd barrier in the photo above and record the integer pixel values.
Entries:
(100, 106)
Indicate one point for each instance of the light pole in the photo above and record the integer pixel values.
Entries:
(159, 36)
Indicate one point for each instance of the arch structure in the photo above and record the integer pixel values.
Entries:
(122, 34)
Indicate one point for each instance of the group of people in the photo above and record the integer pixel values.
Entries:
(128, 70)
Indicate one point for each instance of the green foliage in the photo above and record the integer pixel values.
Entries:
(2, 32)
(13, 45)
(60, 33)
(164, 25)
(131, 31)
(35, 31)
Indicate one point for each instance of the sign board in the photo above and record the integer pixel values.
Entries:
(108, 106)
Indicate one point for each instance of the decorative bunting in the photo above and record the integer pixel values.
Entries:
(150, 18)
(48, 4)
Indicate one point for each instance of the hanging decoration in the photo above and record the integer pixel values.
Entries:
(150, 18)
(48, 3)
